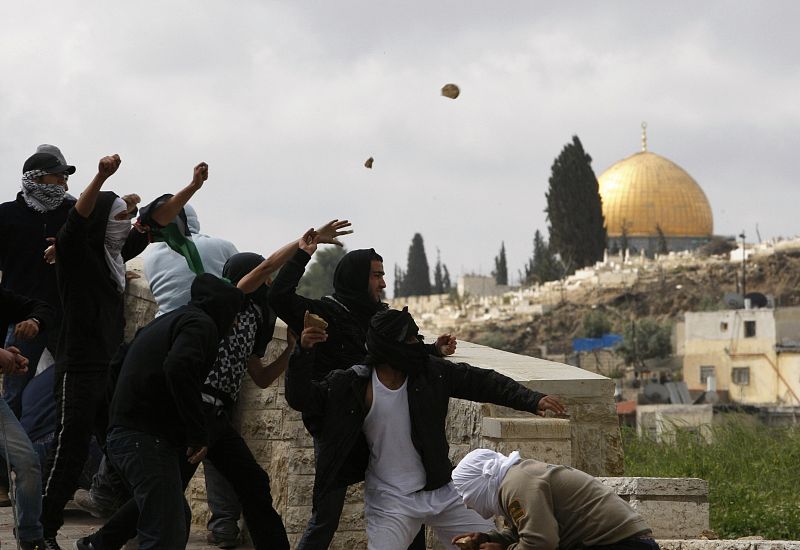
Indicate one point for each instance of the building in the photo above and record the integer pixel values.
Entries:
(646, 196)
(753, 354)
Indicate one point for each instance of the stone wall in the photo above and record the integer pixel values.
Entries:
(588, 438)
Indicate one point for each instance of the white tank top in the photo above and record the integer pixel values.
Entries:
(394, 463)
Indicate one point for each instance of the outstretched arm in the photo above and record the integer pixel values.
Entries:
(88, 199)
(327, 234)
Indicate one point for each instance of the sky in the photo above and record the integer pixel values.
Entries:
(286, 100)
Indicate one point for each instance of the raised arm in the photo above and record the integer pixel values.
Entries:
(327, 234)
(88, 199)
(167, 211)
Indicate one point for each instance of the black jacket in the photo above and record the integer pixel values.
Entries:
(161, 375)
(347, 334)
(94, 322)
(340, 400)
(23, 239)
(15, 308)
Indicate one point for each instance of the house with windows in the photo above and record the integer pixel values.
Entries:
(753, 354)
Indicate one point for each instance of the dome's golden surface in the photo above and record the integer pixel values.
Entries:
(646, 190)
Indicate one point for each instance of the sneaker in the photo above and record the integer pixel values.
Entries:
(83, 544)
(32, 544)
(220, 541)
(83, 500)
(50, 543)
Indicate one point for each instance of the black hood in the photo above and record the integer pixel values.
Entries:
(351, 283)
(219, 299)
(240, 265)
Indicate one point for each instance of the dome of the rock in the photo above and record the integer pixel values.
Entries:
(647, 191)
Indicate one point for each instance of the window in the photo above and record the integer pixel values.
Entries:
(749, 329)
(723, 327)
(740, 376)
(705, 372)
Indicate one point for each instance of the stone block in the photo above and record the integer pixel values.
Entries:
(555, 451)
(262, 424)
(672, 507)
(301, 461)
(301, 489)
(526, 428)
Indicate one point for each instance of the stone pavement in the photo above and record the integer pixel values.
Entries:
(78, 524)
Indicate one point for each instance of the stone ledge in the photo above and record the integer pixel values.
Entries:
(526, 428)
(657, 486)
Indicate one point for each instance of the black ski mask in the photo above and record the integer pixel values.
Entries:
(389, 341)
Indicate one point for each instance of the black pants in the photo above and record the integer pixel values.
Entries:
(80, 412)
(228, 453)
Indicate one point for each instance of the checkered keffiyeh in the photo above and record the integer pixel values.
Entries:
(229, 369)
(42, 197)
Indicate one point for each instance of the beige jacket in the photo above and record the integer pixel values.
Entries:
(549, 506)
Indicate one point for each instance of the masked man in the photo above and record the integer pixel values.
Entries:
(384, 421)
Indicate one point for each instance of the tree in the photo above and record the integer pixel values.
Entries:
(595, 324)
(398, 281)
(645, 339)
(575, 209)
(663, 248)
(318, 278)
(543, 266)
(417, 281)
(446, 286)
(441, 277)
(500, 272)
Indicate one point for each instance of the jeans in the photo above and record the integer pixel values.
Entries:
(231, 456)
(151, 467)
(223, 504)
(25, 463)
(14, 384)
(108, 490)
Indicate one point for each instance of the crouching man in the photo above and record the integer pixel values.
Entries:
(384, 421)
(545, 506)
(156, 421)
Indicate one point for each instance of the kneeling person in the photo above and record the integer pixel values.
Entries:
(546, 506)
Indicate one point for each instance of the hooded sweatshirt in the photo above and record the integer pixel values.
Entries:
(169, 275)
(93, 321)
(159, 384)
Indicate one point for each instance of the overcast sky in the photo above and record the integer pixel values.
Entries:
(286, 101)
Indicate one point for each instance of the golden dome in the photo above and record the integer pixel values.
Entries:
(646, 190)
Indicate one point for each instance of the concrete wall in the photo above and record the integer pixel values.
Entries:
(661, 421)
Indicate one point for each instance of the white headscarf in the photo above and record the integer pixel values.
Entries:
(477, 479)
(116, 234)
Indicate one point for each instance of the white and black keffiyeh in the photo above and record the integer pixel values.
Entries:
(42, 197)
(229, 369)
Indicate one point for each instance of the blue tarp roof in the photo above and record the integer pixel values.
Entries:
(591, 344)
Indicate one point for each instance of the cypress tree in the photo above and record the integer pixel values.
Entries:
(417, 279)
(446, 286)
(399, 291)
(439, 273)
(663, 248)
(544, 265)
(500, 272)
(574, 208)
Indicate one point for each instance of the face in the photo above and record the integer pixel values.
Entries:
(376, 282)
(53, 179)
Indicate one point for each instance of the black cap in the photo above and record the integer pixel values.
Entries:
(48, 163)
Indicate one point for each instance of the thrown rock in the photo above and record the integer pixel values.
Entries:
(450, 90)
